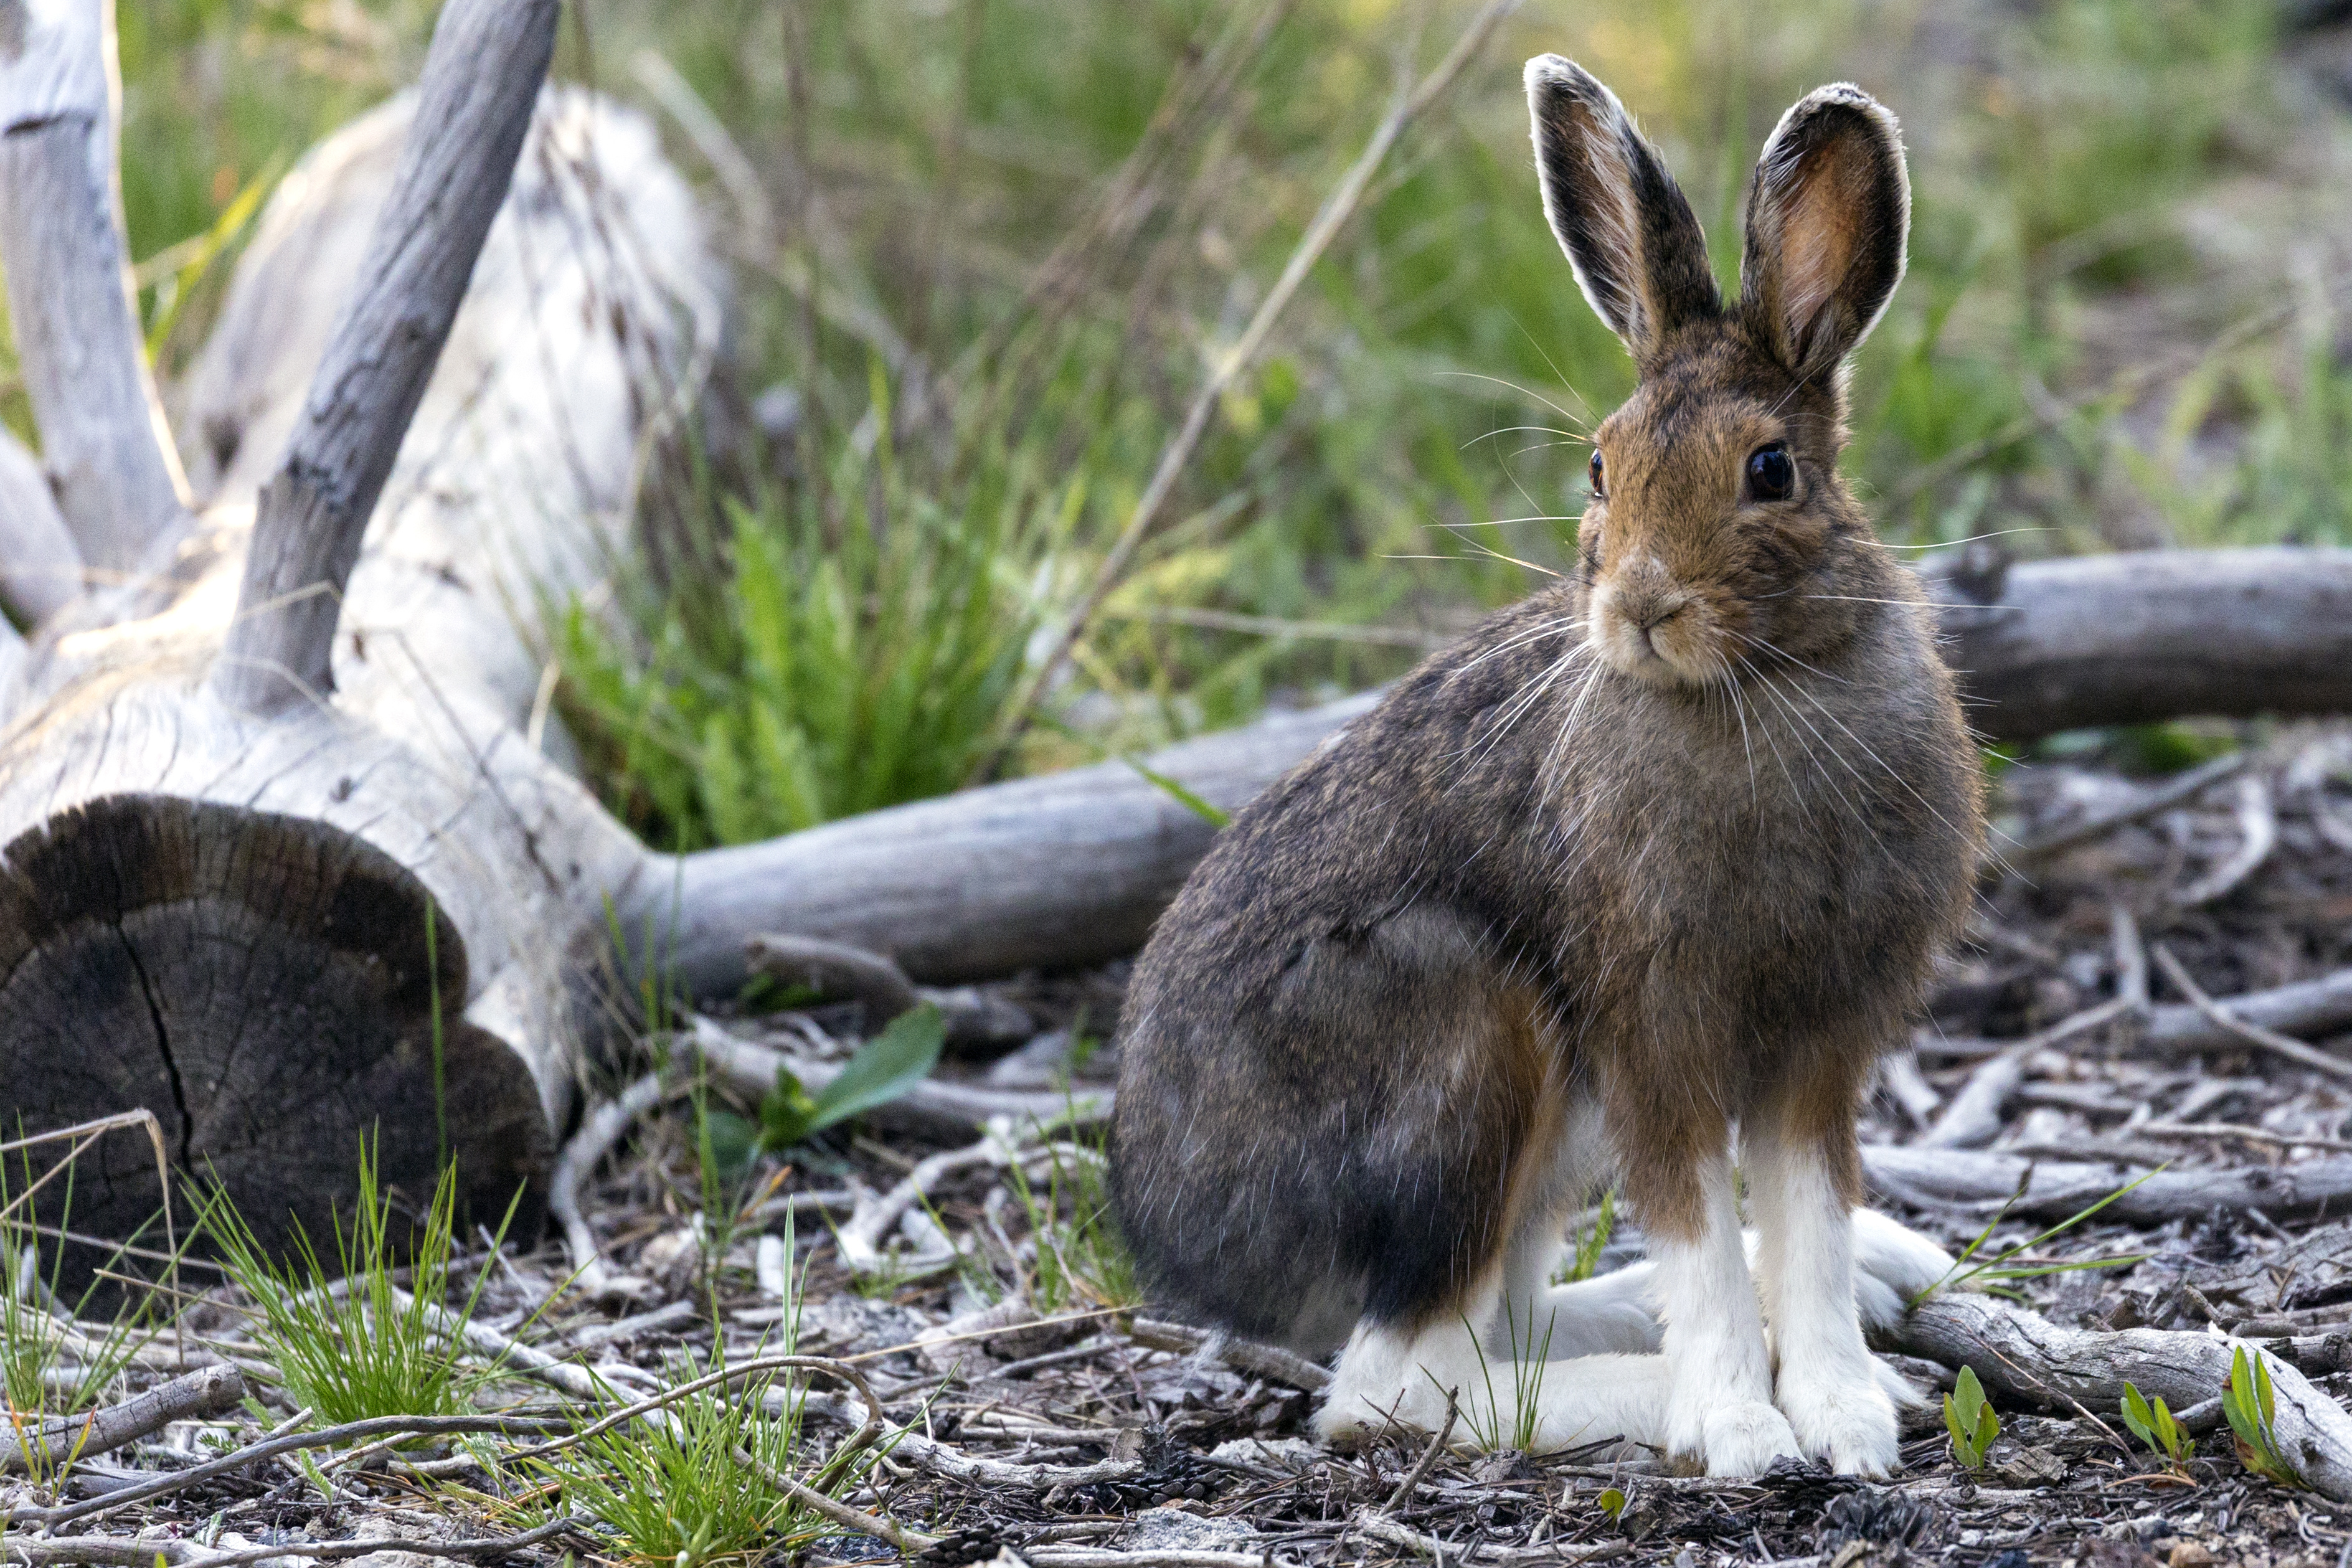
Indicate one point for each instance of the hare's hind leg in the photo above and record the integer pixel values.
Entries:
(1392, 1375)
(1608, 1314)
(1803, 1179)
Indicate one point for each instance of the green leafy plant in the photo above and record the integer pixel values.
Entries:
(351, 1343)
(1585, 1256)
(1968, 1417)
(820, 651)
(2000, 1268)
(880, 1071)
(2153, 1425)
(2251, 1406)
(1613, 1502)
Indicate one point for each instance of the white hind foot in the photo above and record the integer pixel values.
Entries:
(1392, 1376)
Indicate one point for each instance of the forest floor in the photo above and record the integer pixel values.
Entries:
(1047, 1415)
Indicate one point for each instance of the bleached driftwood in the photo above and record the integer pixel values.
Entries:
(217, 908)
(118, 480)
(2022, 1356)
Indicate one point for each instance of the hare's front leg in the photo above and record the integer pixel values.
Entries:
(1803, 1179)
(1719, 1413)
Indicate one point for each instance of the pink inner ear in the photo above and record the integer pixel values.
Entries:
(1817, 240)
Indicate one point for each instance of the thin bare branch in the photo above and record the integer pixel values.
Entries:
(104, 441)
(481, 79)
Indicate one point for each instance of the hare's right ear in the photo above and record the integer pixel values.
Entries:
(1637, 248)
(1827, 219)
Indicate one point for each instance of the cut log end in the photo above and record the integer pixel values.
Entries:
(264, 985)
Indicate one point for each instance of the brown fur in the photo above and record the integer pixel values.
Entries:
(1696, 871)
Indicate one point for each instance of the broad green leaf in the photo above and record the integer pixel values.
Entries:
(885, 1067)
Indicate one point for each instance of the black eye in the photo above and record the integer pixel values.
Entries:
(1595, 471)
(1771, 473)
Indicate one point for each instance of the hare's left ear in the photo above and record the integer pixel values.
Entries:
(1826, 222)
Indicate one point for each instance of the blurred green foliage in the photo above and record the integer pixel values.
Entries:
(1011, 233)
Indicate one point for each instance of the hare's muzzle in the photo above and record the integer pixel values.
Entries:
(1652, 626)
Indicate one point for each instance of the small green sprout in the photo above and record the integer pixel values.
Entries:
(1968, 1417)
(2251, 1407)
(2153, 1425)
(1613, 1503)
(1589, 1243)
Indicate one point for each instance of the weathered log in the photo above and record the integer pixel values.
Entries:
(2132, 638)
(2022, 1356)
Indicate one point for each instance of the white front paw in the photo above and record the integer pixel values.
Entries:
(1745, 1438)
(1735, 1437)
(1847, 1423)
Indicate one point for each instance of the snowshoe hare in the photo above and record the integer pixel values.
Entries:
(1664, 852)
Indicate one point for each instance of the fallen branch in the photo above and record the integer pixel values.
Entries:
(270, 1447)
(41, 1448)
(146, 1551)
(834, 969)
(2024, 1356)
(1379, 1527)
(860, 1240)
(935, 1105)
(605, 1128)
(1984, 1182)
(1246, 1356)
(2177, 790)
(2257, 836)
(1974, 1115)
(2270, 1040)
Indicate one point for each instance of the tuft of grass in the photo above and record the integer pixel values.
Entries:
(53, 1363)
(1999, 1270)
(1530, 1363)
(674, 1488)
(350, 1342)
(1077, 1257)
(1589, 1243)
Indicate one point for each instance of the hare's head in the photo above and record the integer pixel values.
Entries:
(1718, 531)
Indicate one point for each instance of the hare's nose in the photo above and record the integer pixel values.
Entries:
(1652, 613)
